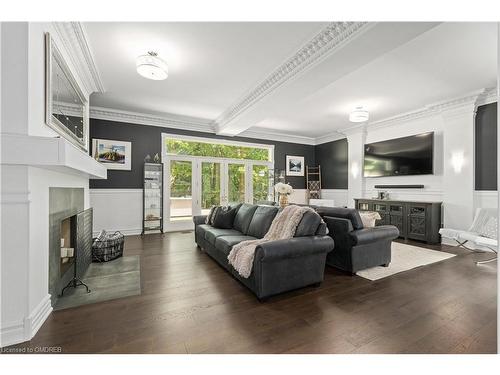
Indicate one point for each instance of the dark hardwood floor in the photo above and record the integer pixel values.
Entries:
(191, 305)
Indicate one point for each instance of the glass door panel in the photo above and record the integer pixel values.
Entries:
(210, 186)
(260, 182)
(236, 183)
(181, 190)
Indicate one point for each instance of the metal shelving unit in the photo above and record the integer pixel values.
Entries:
(152, 207)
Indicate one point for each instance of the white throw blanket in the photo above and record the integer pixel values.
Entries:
(283, 227)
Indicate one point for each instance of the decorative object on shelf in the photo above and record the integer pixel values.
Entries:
(150, 66)
(275, 175)
(66, 106)
(294, 165)
(147, 159)
(156, 159)
(152, 211)
(113, 154)
(382, 195)
(284, 190)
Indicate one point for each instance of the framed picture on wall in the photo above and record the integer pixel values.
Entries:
(294, 165)
(113, 154)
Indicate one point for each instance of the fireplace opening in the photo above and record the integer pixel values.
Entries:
(67, 250)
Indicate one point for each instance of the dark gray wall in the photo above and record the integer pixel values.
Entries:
(486, 147)
(332, 157)
(147, 140)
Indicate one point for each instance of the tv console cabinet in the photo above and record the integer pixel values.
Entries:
(415, 220)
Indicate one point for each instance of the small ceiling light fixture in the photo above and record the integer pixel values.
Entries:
(359, 115)
(152, 67)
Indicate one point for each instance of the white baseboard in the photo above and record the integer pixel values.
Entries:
(40, 314)
(20, 331)
(125, 232)
(12, 333)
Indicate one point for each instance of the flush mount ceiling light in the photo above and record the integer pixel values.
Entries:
(152, 67)
(359, 115)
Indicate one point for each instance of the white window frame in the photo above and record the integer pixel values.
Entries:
(196, 162)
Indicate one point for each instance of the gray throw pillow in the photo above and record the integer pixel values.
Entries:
(224, 217)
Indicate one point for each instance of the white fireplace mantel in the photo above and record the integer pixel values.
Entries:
(53, 153)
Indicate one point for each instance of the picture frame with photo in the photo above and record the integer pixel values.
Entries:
(113, 154)
(295, 165)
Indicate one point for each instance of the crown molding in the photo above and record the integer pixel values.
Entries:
(471, 100)
(166, 121)
(489, 95)
(458, 103)
(75, 41)
(331, 137)
(187, 123)
(280, 137)
(332, 37)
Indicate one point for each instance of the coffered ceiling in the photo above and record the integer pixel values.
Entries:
(300, 79)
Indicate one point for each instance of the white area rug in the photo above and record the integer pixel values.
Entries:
(404, 258)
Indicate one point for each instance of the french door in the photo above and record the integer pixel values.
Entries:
(197, 183)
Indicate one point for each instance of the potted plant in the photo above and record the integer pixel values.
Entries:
(283, 190)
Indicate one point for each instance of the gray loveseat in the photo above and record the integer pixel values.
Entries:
(279, 266)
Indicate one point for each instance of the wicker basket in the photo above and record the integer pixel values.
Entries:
(108, 249)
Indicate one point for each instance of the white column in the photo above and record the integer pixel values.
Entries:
(356, 141)
(15, 325)
(458, 174)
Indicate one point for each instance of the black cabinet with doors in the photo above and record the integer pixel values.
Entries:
(415, 220)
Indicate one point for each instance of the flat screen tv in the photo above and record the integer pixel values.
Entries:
(400, 156)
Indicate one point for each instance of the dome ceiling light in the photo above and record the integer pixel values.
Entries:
(150, 66)
(359, 115)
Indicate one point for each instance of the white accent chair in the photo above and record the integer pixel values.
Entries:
(483, 233)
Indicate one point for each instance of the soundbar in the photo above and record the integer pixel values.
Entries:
(399, 186)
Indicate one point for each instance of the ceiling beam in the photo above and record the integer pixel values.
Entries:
(339, 49)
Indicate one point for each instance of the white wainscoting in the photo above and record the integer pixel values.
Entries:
(485, 199)
(339, 196)
(409, 194)
(117, 210)
(121, 210)
(298, 196)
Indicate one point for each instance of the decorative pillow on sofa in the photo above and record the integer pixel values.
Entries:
(368, 218)
(210, 216)
(224, 217)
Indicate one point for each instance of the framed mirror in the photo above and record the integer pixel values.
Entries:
(66, 109)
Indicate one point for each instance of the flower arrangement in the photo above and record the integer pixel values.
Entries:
(284, 190)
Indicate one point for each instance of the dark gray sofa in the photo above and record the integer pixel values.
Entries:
(356, 247)
(279, 266)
